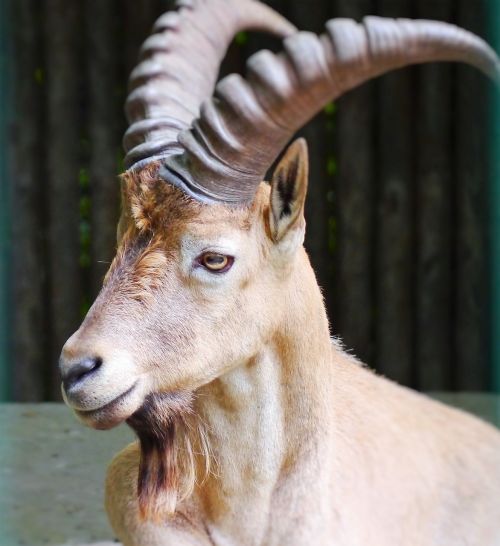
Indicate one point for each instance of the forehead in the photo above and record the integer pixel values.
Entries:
(157, 206)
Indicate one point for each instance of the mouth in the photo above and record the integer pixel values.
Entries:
(115, 412)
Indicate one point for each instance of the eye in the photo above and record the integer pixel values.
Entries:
(215, 263)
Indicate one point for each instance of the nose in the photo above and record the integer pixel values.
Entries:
(76, 372)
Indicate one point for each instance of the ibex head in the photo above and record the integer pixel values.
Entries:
(188, 278)
(206, 251)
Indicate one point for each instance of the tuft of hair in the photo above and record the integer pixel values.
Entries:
(143, 201)
(170, 436)
(145, 265)
(148, 274)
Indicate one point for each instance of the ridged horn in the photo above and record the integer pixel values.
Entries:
(242, 129)
(178, 69)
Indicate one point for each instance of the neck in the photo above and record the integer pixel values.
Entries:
(265, 415)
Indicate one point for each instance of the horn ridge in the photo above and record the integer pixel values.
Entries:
(283, 91)
(179, 65)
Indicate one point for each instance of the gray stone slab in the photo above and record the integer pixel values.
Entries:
(484, 405)
(52, 471)
(51, 476)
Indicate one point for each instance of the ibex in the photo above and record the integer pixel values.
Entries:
(210, 336)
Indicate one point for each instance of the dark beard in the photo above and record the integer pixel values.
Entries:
(160, 424)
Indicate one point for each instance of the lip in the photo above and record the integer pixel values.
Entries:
(113, 413)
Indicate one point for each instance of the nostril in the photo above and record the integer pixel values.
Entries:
(80, 370)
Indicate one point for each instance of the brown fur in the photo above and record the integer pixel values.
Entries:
(152, 205)
(165, 425)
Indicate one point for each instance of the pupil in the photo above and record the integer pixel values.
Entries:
(215, 260)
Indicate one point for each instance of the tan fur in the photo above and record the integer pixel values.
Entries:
(308, 446)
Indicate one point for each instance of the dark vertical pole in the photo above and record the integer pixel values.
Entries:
(138, 21)
(434, 215)
(471, 299)
(494, 205)
(320, 183)
(63, 29)
(354, 186)
(5, 235)
(394, 249)
(103, 133)
(30, 325)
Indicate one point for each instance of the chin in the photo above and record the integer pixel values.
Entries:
(115, 412)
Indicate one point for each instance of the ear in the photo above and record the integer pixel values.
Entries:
(288, 191)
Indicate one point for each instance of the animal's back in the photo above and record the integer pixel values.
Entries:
(409, 470)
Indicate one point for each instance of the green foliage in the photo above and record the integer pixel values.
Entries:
(85, 206)
(84, 306)
(330, 109)
(241, 38)
(120, 165)
(83, 179)
(39, 76)
(331, 165)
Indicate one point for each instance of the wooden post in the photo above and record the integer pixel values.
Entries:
(62, 137)
(5, 203)
(104, 134)
(354, 187)
(471, 289)
(395, 215)
(434, 207)
(494, 205)
(30, 316)
(138, 18)
(320, 183)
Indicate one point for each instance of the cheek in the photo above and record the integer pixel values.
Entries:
(173, 322)
(230, 327)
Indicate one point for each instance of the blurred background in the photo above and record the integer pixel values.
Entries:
(403, 209)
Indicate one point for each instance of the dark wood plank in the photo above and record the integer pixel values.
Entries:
(394, 249)
(104, 124)
(471, 370)
(29, 191)
(354, 186)
(6, 140)
(138, 20)
(318, 208)
(434, 215)
(63, 133)
(494, 208)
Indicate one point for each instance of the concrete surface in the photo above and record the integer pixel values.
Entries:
(52, 471)
(51, 476)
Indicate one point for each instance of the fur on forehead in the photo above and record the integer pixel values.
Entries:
(155, 205)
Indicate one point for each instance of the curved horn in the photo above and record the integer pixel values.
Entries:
(246, 124)
(179, 67)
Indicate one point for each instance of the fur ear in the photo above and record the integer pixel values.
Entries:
(288, 190)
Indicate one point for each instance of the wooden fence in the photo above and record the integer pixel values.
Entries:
(396, 208)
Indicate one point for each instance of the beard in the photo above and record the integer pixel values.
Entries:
(167, 427)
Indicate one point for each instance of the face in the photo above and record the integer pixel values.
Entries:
(181, 303)
(194, 291)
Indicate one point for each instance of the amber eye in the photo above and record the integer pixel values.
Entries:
(216, 263)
